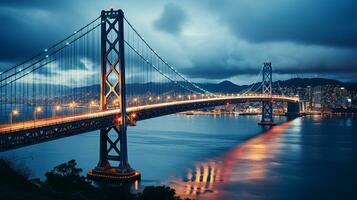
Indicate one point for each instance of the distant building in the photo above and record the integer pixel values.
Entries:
(317, 98)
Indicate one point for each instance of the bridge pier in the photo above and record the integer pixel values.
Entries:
(104, 172)
(267, 114)
(113, 64)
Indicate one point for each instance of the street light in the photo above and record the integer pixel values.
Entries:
(56, 109)
(37, 110)
(91, 104)
(12, 114)
(72, 105)
(135, 100)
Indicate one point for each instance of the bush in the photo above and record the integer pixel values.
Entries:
(12, 173)
(158, 192)
(66, 178)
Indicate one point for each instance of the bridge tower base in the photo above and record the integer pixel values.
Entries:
(104, 172)
(113, 147)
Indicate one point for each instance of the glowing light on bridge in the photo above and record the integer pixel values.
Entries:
(58, 108)
(37, 110)
(73, 105)
(15, 112)
(12, 114)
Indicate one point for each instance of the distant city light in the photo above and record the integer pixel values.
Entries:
(349, 100)
(342, 88)
(71, 105)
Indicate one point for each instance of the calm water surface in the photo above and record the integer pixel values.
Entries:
(225, 157)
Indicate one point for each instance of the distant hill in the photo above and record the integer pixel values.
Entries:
(222, 87)
(304, 82)
(229, 87)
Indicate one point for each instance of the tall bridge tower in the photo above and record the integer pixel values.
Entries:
(267, 106)
(112, 72)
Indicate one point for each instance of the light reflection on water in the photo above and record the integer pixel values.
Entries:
(244, 163)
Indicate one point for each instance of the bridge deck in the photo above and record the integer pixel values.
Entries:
(140, 110)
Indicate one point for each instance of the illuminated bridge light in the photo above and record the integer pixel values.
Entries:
(58, 108)
(15, 112)
(38, 109)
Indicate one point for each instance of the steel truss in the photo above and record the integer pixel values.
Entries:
(267, 106)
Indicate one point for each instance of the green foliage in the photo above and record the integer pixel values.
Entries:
(65, 182)
(12, 173)
(66, 178)
(158, 192)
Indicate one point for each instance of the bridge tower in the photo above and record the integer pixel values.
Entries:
(267, 106)
(112, 72)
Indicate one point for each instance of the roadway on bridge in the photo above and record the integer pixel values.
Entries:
(45, 122)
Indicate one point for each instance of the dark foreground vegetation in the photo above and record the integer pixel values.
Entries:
(65, 182)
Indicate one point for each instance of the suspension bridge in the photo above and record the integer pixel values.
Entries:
(105, 76)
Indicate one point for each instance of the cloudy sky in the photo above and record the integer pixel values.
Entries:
(207, 40)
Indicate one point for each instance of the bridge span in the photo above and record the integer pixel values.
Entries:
(30, 132)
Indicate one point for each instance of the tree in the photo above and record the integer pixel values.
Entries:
(66, 178)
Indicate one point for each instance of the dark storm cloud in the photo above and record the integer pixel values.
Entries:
(318, 69)
(321, 22)
(28, 27)
(222, 39)
(20, 39)
(172, 19)
(34, 4)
